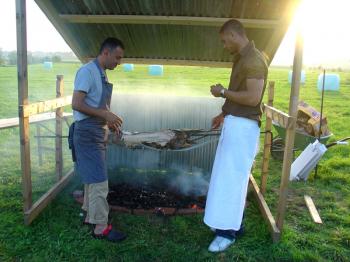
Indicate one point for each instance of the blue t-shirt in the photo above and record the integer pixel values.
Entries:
(88, 80)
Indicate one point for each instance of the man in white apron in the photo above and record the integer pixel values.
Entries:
(88, 135)
(241, 116)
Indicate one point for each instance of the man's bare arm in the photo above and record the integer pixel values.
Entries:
(78, 104)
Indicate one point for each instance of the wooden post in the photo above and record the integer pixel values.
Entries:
(38, 140)
(267, 141)
(22, 75)
(290, 134)
(59, 115)
(265, 210)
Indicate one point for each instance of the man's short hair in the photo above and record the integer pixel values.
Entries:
(233, 25)
(111, 43)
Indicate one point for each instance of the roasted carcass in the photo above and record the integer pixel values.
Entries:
(165, 139)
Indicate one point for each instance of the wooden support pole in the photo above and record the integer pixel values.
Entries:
(58, 140)
(38, 140)
(22, 75)
(290, 134)
(265, 211)
(267, 141)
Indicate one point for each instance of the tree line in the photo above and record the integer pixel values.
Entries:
(10, 58)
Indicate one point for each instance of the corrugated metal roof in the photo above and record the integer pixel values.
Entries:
(192, 36)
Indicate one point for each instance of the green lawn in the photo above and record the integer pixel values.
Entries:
(57, 233)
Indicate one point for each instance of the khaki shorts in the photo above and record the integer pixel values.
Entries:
(95, 203)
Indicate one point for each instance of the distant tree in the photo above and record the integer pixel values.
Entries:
(33, 59)
(56, 59)
(12, 58)
(2, 58)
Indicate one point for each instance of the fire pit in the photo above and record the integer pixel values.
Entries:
(155, 192)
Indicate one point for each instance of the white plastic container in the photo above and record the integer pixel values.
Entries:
(307, 161)
(332, 82)
(47, 65)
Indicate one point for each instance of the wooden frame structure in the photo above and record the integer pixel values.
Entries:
(31, 210)
(288, 121)
(25, 110)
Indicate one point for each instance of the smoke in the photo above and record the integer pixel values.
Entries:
(190, 183)
(181, 181)
(183, 172)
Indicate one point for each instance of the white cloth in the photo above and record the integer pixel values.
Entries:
(230, 175)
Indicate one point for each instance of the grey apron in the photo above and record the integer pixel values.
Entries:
(89, 140)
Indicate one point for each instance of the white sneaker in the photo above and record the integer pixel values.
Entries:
(220, 244)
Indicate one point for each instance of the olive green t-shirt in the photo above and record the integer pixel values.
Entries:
(249, 63)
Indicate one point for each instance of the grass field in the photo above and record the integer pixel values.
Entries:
(57, 234)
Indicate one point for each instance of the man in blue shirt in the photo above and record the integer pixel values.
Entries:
(92, 115)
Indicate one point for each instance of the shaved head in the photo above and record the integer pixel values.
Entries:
(233, 25)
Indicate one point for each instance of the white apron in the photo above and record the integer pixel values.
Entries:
(230, 175)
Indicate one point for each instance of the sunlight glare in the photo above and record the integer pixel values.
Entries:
(323, 25)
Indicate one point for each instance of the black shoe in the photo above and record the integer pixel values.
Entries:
(240, 232)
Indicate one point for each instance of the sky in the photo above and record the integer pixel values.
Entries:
(326, 37)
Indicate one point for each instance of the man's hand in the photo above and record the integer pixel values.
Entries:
(217, 121)
(114, 123)
(117, 132)
(216, 89)
(113, 120)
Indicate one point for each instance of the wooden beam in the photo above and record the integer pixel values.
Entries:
(283, 119)
(267, 141)
(14, 122)
(58, 139)
(22, 74)
(290, 134)
(39, 205)
(165, 20)
(49, 105)
(264, 208)
(178, 62)
(312, 209)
